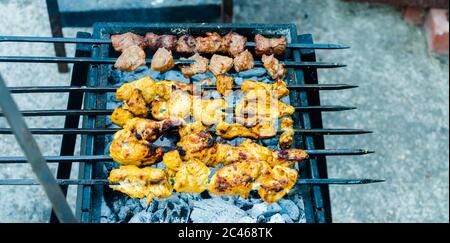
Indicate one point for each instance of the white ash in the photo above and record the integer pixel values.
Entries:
(191, 207)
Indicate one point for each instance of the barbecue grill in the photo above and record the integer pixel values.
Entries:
(87, 99)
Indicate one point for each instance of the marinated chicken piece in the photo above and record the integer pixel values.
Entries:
(277, 89)
(274, 185)
(186, 44)
(189, 176)
(150, 130)
(165, 88)
(162, 60)
(136, 103)
(220, 64)
(123, 41)
(146, 85)
(208, 111)
(199, 66)
(257, 105)
(127, 149)
(243, 61)
(269, 46)
(178, 106)
(224, 84)
(212, 43)
(137, 182)
(120, 116)
(287, 137)
(262, 130)
(197, 143)
(251, 151)
(155, 41)
(273, 67)
(130, 59)
(235, 179)
(233, 43)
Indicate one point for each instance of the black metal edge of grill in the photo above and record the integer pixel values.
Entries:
(317, 205)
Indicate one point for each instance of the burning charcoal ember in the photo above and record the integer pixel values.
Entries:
(162, 60)
(155, 41)
(141, 217)
(130, 59)
(277, 218)
(175, 76)
(243, 61)
(273, 67)
(199, 66)
(186, 44)
(257, 210)
(220, 64)
(215, 210)
(287, 219)
(246, 219)
(212, 43)
(289, 208)
(254, 72)
(269, 46)
(233, 43)
(123, 41)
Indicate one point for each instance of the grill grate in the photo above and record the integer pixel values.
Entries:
(89, 87)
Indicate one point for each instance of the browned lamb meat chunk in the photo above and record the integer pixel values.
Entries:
(273, 66)
(220, 64)
(233, 43)
(123, 41)
(155, 41)
(162, 60)
(269, 46)
(199, 66)
(186, 44)
(209, 44)
(243, 61)
(130, 59)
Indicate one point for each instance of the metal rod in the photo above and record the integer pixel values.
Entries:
(57, 89)
(34, 156)
(109, 112)
(108, 41)
(109, 60)
(335, 181)
(98, 131)
(106, 158)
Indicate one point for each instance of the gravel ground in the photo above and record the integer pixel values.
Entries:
(403, 97)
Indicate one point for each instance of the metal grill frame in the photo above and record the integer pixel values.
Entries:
(316, 197)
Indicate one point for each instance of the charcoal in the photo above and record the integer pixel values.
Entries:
(175, 76)
(247, 219)
(261, 219)
(272, 209)
(289, 208)
(243, 204)
(159, 216)
(215, 210)
(277, 218)
(257, 210)
(141, 217)
(270, 141)
(287, 219)
(238, 80)
(259, 71)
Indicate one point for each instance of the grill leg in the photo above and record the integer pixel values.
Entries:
(55, 24)
(75, 101)
(227, 11)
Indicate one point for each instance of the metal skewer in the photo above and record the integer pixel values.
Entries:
(109, 60)
(329, 181)
(108, 41)
(99, 131)
(54, 89)
(107, 158)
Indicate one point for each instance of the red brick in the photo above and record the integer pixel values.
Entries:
(436, 25)
(413, 15)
